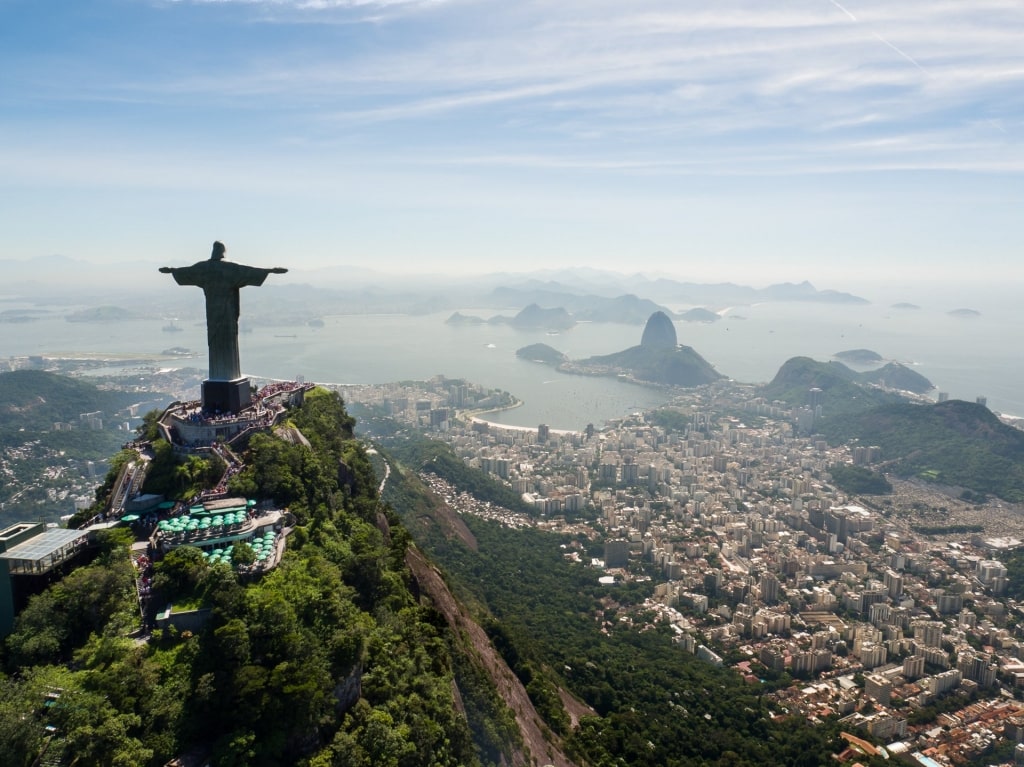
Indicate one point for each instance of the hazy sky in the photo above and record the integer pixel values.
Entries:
(749, 141)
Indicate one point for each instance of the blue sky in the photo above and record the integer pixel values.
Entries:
(745, 141)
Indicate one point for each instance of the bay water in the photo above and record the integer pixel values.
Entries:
(966, 357)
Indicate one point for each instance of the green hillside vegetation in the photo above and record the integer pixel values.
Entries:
(840, 392)
(174, 478)
(953, 443)
(898, 376)
(427, 455)
(650, 702)
(1014, 562)
(327, 660)
(674, 367)
(858, 480)
(32, 401)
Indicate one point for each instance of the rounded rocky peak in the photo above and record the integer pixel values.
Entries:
(659, 333)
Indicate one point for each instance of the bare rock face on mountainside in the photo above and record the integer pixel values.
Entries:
(659, 333)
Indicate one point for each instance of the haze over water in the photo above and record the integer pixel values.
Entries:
(966, 357)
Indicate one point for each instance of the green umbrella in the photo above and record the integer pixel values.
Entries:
(130, 518)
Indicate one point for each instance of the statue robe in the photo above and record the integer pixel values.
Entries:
(221, 281)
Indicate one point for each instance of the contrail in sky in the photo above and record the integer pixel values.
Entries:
(837, 5)
(882, 40)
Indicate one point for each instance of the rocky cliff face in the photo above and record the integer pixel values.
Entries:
(540, 745)
(659, 333)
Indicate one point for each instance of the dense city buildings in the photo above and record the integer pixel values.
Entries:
(761, 562)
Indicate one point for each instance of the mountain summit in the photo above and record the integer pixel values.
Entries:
(659, 333)
(657, 359)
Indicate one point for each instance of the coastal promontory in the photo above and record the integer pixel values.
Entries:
(542, 353)
(658, 359)
(659, 332)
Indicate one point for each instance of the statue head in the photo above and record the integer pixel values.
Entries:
(218, 251)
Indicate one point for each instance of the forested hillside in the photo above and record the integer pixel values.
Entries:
(620, 694)
(353, 651)
(954, 443)
(840, 389)
(33, 400)
(45, 446)
(330, 659)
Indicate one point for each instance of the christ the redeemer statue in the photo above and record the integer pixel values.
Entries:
(221, 280)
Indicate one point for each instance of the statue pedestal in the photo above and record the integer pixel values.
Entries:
(226, 396)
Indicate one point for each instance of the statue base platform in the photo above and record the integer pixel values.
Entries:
(226, 396)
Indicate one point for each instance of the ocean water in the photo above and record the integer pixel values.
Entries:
(965, 357)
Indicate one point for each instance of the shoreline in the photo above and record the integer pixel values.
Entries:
(474, 416)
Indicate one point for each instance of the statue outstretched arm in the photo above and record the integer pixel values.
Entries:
(167, 269)
(278, 270)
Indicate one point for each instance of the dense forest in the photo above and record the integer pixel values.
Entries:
(327, 660)
(33, 400)
(858, 480)
(953, 443)
(840, 391)
(338, 657)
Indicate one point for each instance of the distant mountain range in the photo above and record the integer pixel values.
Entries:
(531, 318)
(628, 308)
(576, 284)
(304, 294)
(562, 302)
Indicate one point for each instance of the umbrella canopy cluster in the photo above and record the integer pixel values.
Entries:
(190, 524)
(264, 545)
(219, 556)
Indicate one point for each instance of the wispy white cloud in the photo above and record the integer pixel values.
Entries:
(315, 5)
(408, 102)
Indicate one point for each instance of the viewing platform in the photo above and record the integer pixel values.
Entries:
(191, 428)
(216, 527)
